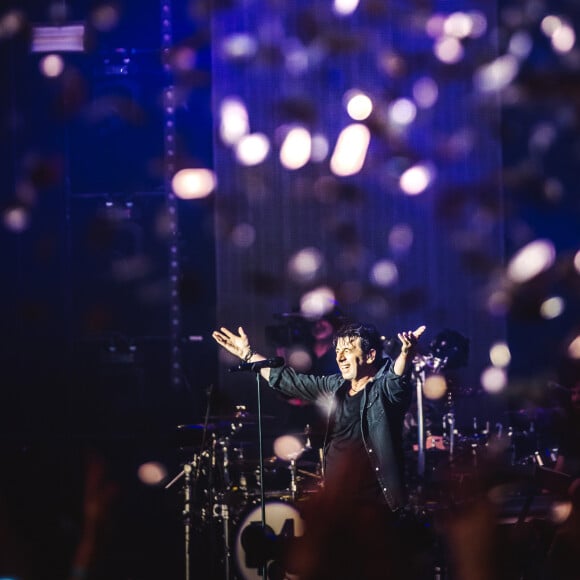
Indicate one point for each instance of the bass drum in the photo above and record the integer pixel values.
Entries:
(253, 550)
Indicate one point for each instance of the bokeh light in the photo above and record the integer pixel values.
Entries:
(152, 473)
(574, 348)
(345, 7)
(400, 238)
(288, 447)
(51, 65)
(299, 359)
(416, 179)
(448, 50)
(11, 23)
(16, 219)
(317, 302)
(435, 387)
(105, 17)
(296, 148)
(493, 380)
(350, 151)
(425, 92)
(384, 273)
(402, 112)
(531, 260)
(252, 149)
(193, 183)
(500, 355)
(552, 307)
(243, 235)
(234, 122)
(358, 105)
(305, 264)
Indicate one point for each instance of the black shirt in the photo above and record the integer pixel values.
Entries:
(348, 468)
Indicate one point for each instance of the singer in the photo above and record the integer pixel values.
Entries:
(363, 454)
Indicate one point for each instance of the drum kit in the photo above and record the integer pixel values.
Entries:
(242, 505)
(229, 492)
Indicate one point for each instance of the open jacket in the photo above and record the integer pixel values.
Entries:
(385, 400)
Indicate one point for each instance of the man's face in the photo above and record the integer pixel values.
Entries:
(352, 363)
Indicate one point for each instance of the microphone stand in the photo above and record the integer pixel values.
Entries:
(261, 464)
(419, 373)
(255, 367)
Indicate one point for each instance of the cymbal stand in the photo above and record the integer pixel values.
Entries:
(186, 473)
(189, 467)
(449, 426)
(293, 479)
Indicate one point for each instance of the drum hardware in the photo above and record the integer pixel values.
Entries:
(222, 511)
(223, 480)
(449, 425)
(293, 485)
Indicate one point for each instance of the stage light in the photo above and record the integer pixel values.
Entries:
(69, 38)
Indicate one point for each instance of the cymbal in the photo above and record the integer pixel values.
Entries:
(240, 417)
(213, 426)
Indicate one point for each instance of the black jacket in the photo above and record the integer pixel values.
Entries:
(385, 401)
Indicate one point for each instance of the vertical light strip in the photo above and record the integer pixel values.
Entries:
(171, 200)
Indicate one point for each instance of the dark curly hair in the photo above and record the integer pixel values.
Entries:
(370, 338)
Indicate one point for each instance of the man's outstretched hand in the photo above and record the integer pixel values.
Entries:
(236, 344)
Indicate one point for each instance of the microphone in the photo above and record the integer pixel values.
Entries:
(269, 363)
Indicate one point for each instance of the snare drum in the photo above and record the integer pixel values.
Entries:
(283, 522)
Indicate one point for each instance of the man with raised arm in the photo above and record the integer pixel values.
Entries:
(352, 530)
